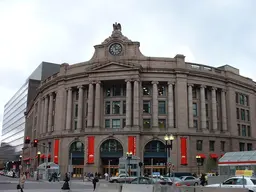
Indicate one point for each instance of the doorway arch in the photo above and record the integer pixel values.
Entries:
(76, 158)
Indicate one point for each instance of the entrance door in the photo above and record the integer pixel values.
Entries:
(77, 172)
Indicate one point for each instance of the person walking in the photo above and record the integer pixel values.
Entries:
(66, 184)
(94, 182)
(22, 181)
(203, 179)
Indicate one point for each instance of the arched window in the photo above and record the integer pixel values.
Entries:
(155, 146)
(111, 145)
(76, 146)
(76, 151)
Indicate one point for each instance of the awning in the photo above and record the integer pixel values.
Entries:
(238, 158)
(214, 156)
(202, 156)
(49, 156)
(42, 156)
(26, 159)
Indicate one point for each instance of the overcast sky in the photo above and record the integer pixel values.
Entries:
(211, 32)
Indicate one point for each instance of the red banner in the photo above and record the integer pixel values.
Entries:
(56, 151)
(132, 144)
(90, 149)
(183, 151)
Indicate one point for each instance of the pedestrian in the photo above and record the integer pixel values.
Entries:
(22, 181)
(66, 184)
(94, 182)
(203, 179)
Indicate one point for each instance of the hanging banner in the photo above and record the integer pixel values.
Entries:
(90, 149)
(183, 151)
(56, 151)
(132, 144)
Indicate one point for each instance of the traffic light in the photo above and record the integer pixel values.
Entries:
(27, 140)
(35, 142)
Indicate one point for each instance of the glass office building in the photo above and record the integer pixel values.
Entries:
(13, 126)
(14, 119)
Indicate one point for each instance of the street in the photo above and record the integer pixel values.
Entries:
(8, 184)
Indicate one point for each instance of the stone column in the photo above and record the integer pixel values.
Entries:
(155, 104)
(90, 106)
(136, 104)
(50, 113)
(128, 103)
(97, 105)
(223, 110)
(46, 102)
(203, 111)
(69, 109)
(42, 116)
(80, 107)
(214, 109)
(170, 105)
(190, 106)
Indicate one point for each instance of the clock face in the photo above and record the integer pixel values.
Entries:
(115, 49)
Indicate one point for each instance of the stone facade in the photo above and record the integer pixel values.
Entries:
(161, 95)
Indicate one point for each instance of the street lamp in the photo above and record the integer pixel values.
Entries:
(38, 161)
(199, 162)
(168, 145)
(129, 157)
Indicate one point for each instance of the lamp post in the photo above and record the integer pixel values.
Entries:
(38, 162)
(128, 158)
(168, 145)
(20, 164)
(109, 164)
(199, 162)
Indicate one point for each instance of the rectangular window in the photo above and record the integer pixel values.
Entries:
(146, 107)
(75, 125)
(222, 145)
(107, 107)
(194, 95)
(237, 98)
(161, 123)
(124, 90)
(247, 115)
(195, 123)
(206, 110)
(116, 124)
(246, 102)
(199, 145)
(241, 146)
(161, 90)
(237, 113)
(124, 107)
(243, 114)
(108, 92)
(161, 107)
(116, 107)
(76, 110)
(241, 97)
(77, 95)
(124, 123)
(249, 146)
(249, 131)
(117, 90)
(239, 129)
(207, 124)
(206, 94)
(50, 147)
(243, 130)
(211, 145)
(107, 123)
(146, 90)
(195, 109)
(146, 123)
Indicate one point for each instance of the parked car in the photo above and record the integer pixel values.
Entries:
(122, 178)
(179, 174)
(144, 180)
(190, 180)
(238, 182)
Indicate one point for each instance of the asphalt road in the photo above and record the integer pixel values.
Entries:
(7, 184)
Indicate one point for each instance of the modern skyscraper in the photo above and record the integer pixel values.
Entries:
(13, 126)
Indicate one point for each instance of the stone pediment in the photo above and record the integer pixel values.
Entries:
(113, 66)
